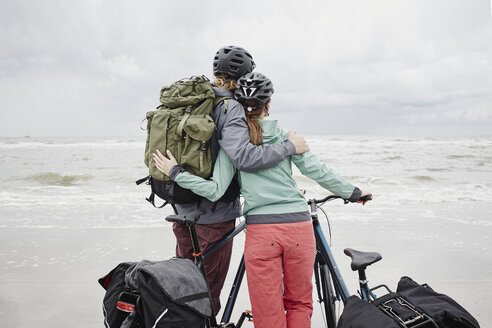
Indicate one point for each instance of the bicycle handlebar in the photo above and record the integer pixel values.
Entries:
(331, 197)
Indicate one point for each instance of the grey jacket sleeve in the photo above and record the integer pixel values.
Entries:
(234, 140)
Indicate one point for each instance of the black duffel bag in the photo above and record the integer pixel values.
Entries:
(162, 294)
(445, 311)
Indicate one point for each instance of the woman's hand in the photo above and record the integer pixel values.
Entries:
(364, 194)
(162, 163)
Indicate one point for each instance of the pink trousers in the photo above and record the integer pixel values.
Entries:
(279, 267)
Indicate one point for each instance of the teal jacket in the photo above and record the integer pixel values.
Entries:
(270, 195)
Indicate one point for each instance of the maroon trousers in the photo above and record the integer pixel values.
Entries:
(217, 264)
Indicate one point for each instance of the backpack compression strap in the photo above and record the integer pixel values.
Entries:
(151, 198)
(188, 112)
(183, 120)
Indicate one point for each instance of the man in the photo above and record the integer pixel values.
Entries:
(232, 135)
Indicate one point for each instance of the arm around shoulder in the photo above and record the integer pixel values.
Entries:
(244, 155)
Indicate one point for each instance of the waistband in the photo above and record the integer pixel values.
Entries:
(278, 218)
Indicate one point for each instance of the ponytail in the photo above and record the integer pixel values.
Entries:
(255, 131)
(252, 118)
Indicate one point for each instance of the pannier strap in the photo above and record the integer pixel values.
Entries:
(190, 298)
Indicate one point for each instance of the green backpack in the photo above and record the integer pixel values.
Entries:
(183, 124)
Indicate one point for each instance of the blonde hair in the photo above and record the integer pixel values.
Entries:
(224, 81)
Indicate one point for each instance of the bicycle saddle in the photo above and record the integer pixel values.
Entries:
(361, 260)
(186, 219)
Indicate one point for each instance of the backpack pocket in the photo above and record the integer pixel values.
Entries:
(157, 122)
(196, 154)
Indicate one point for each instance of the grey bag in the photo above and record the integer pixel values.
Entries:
(171, 293)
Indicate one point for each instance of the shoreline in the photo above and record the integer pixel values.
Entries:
(52, 273)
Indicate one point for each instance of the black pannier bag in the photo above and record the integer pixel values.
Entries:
(117, 307)
(445, 311)
(360, 314)
(162, 294)
(405, 314)
(412, 306)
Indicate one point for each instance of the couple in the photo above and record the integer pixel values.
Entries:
(280, 245)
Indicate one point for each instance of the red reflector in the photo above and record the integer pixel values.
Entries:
(127, 307)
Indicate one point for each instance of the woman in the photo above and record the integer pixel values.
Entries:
(280, 246)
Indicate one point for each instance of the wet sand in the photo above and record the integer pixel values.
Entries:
(48, 276)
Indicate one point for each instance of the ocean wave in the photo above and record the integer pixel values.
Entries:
(423, 178)
(438, 169)
(55, 179)
(23, 143)
(393, 158)
(460, 156)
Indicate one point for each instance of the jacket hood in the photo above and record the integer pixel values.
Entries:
(272, 133)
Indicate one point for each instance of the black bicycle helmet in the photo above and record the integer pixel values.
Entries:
(233, 61)
(253, 90)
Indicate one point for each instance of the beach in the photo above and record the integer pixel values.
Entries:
(70, 216)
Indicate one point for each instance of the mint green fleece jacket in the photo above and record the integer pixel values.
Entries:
(271, 193)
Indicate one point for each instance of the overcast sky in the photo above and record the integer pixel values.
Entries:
(379, 67)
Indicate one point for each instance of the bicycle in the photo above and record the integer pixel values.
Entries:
(324, 268)
(331, 287)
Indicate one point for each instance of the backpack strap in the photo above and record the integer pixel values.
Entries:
(140, 181)
(222, 99)
(151, 198)
(187, 114)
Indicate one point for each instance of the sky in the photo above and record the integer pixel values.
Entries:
(354, 67)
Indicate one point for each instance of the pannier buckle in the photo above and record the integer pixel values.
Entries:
(127, 302)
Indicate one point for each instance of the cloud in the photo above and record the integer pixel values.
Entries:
(423, 66)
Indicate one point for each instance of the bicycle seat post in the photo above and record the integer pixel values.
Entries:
(364, 289)
(360, 261)
(194, 240)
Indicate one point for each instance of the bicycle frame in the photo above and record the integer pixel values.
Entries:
(323, 248)
(326, 261)
(231, 301)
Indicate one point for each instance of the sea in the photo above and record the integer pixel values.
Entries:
(70, 211)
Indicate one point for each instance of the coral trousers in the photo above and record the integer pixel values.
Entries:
(279, 267)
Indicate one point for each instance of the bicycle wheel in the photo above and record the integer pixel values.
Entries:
(328, 296)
